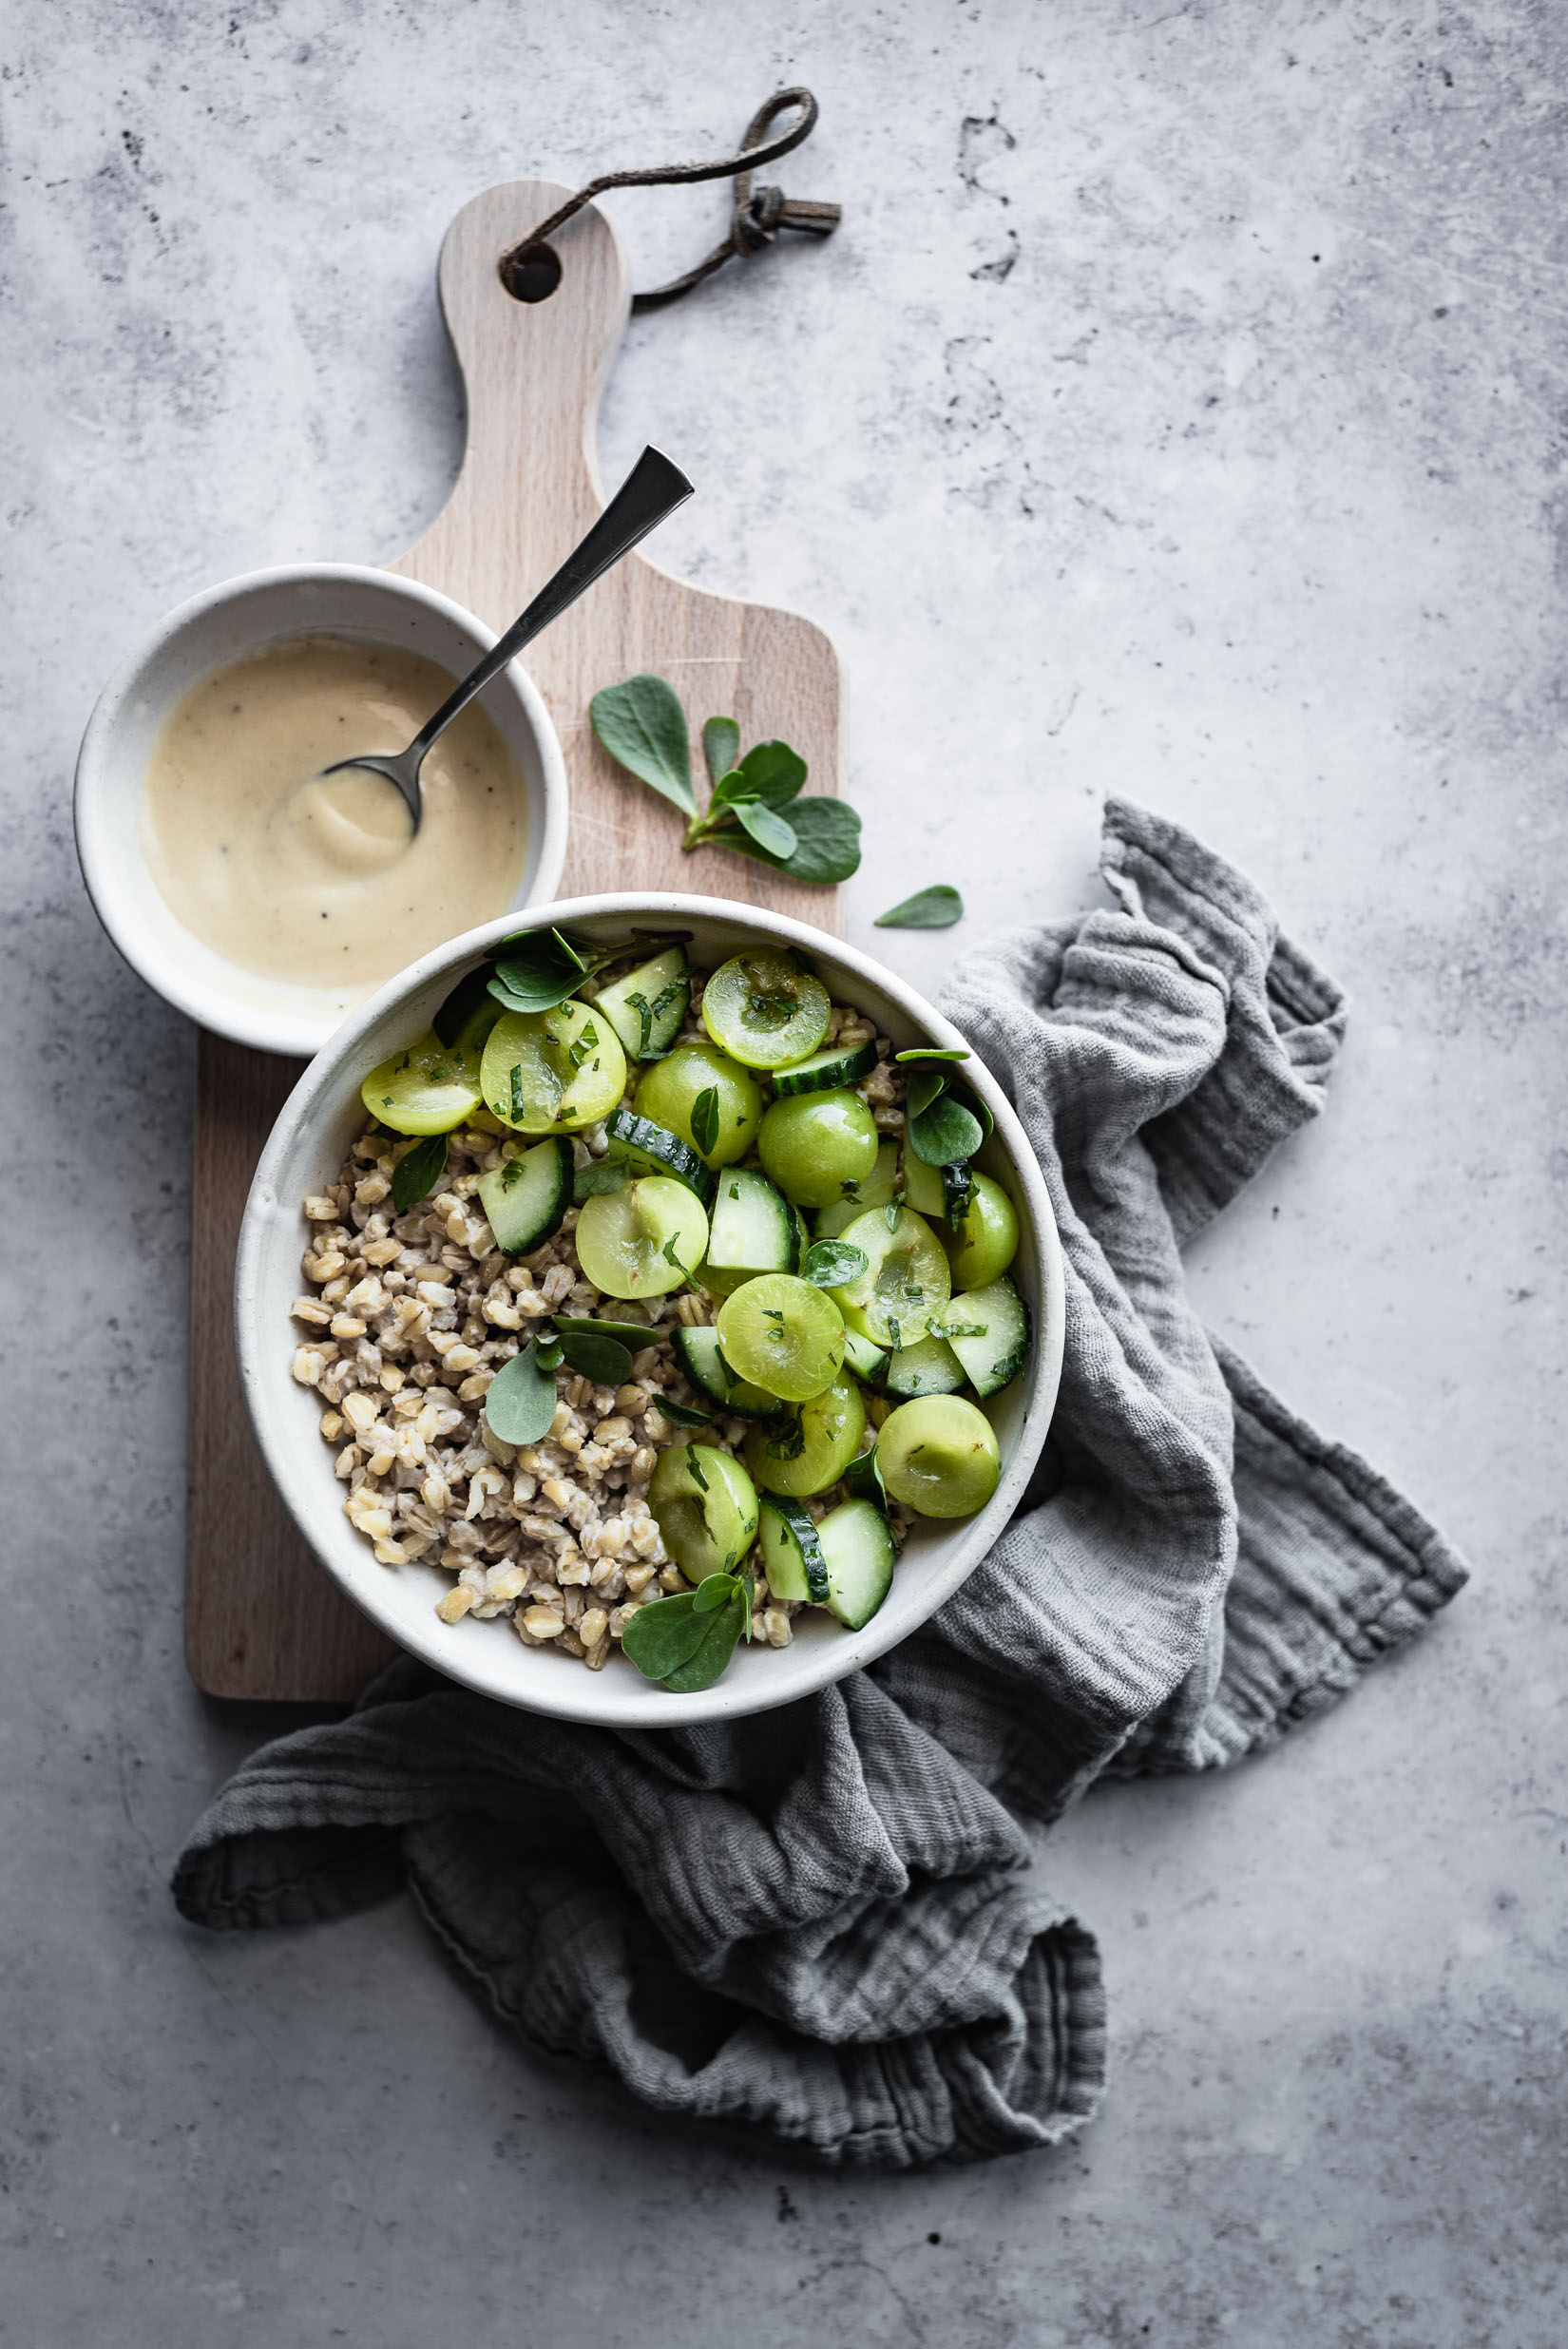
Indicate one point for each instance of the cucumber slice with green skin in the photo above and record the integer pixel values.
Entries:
(809, 1450)
(753, 1230)
(642, 1241)
(796, 1569)
(650, 1149)
(878, 1188)
(783, 1334)
(703, 1362)
(428, 1088)
(984, 1241)
(526, 1198)
(929, 1368)
(906, 1281)
(647, 1009)
(923, 1188)
(938, 1454)
(764, 1010)
(867, 1361)
(816, 1143)
(673, 1090)
(705, 1507)
(988, 1330)
(857, 1549)
(550, 1072)
(841, 1064)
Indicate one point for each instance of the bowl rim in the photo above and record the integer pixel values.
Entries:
(103, 873)
(262, 1356)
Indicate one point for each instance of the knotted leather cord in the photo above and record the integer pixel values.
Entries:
(754, 222)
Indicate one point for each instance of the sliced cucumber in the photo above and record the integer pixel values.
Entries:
(841, 1064)
(796, 1569)
(922, 1187)
(527, 1197)
(988, 1330)
(705, 1365)
(647, 1009)
(867, 1361)
(929, 1368)
(650, 1149)
(753, 1230)
(874, 1190)
(857, 1548)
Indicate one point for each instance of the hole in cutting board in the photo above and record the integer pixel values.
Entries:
(532, 272)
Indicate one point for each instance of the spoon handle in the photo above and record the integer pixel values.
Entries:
(653, 489)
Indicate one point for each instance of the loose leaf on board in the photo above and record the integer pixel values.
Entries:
(832, 1264)
(934, 909)
(827, 842)
(770, 771)
(642, 726)
(770, 830)
(720, 747)
(417, 1172)
(520, 1401)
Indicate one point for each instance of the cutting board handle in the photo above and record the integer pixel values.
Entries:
(534, 373)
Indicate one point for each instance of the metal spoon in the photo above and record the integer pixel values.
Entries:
(652, 489)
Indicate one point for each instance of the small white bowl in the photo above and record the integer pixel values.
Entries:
(303, 1154)
(224, 625)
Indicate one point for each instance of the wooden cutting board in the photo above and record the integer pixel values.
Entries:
(262, 1618)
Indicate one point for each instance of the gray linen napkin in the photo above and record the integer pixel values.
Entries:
(818, 1923)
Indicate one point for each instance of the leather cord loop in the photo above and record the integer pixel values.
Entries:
(531, 269)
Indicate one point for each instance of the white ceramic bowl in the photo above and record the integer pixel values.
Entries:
(303, 1155)
(224, 625)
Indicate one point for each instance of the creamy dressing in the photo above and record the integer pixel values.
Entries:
(323, 881)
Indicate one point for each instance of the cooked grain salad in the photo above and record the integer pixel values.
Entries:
(576, 1343)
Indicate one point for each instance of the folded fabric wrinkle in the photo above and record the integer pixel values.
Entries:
(822, 1923)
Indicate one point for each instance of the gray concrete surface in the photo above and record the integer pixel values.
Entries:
(1182, 409)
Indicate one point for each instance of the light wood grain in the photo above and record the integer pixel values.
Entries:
(262, 1618)
(534, 373)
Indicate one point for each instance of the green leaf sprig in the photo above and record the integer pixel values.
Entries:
(685, 1641)
(832, 1264)
(537, 969)
(944, 1126)
(642, 726)
(933, 909)
(417, 1172)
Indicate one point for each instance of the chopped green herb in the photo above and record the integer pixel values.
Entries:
(704, 1119)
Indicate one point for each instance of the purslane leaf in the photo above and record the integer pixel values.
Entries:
(770, 830)
(720, 747)
(470, 991)
(603, 1359)
(722, 1632)
(831, 1264)
(417, 1172)
(642, 726)
(520, 1400)
(603, 1174)
(827, 842)
(681, 1414)
(935, 1052)
(944, 1133)
(934, 909)
(661, 1635)
(770, 771)
(635, 1334)
(704, 1118)
(925, 1087)
(687, 1640)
